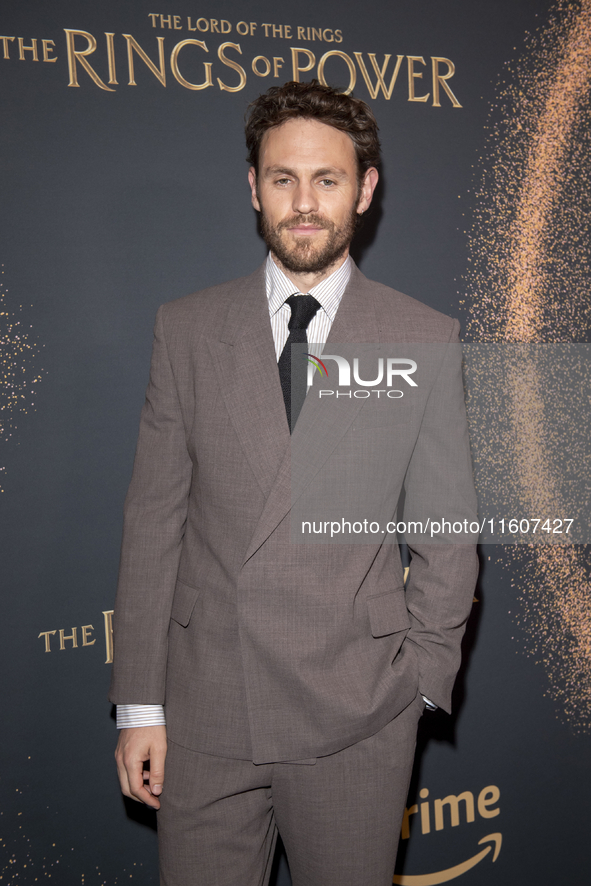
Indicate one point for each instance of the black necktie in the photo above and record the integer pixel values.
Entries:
(294, 384)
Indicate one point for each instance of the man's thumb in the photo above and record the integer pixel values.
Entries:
(156, 778)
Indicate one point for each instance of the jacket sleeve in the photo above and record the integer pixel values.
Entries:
(439, 487)
(155, 514)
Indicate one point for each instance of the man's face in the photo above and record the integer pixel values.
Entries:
(308, 194)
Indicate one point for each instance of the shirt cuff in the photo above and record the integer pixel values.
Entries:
(132, 715)
(429, 704)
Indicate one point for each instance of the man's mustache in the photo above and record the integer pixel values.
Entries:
(297, 220)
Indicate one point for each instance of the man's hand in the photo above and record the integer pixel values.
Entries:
(135, 747)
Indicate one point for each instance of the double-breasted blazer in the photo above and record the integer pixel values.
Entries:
(261, 648)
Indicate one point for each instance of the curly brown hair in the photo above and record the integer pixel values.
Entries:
(314, 101)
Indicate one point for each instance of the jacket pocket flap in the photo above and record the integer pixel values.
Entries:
(388, 613)
(183, 603)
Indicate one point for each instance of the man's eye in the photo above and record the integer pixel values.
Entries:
(282, 181)
(327, 182)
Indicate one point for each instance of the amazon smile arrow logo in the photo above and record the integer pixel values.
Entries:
(456, 871)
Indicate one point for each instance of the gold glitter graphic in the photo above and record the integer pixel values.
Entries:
(18, 378)
(528, 281)
(27, 860)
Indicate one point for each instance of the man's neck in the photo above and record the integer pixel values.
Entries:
(306, 282)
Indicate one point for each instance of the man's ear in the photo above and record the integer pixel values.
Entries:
(368, 186)
(252, 181)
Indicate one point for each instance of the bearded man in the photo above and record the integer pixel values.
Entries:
(277, 684)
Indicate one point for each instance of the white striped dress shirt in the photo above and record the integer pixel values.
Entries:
(278, 287)
(328, 293)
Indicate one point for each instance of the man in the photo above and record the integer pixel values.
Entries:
(293, 675)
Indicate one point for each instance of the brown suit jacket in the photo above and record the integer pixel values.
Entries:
(261, 648)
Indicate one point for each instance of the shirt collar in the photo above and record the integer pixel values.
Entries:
(328, 293)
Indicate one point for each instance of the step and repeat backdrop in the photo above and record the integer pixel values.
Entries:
(123, 183)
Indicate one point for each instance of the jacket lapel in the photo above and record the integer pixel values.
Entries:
(247, 366)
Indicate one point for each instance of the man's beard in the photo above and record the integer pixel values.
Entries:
(304, 256)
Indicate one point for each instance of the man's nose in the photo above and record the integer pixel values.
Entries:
(305, 198)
